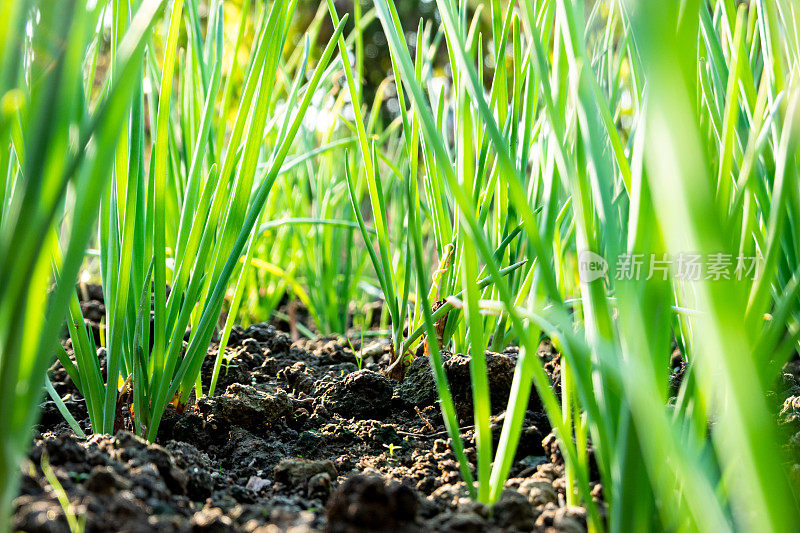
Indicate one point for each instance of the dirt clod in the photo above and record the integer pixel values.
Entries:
(418, 389)
(297, 472)
(362, 393)
(319, 486)
(371, 503)
(564, 519)
(251, 408)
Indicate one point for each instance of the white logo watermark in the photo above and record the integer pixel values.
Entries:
(591, 266)
(681, 267)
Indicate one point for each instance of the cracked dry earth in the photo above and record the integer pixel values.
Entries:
(304, 440)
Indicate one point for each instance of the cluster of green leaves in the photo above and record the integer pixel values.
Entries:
(618, 129)
(394, 268)
(185, 202)
(55, 151)
(309, 247)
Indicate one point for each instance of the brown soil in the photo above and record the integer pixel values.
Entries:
(302, 440)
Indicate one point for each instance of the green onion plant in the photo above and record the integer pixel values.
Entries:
(55, 151)
(184, 207)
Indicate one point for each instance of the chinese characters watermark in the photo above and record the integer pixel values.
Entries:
(661, 267)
